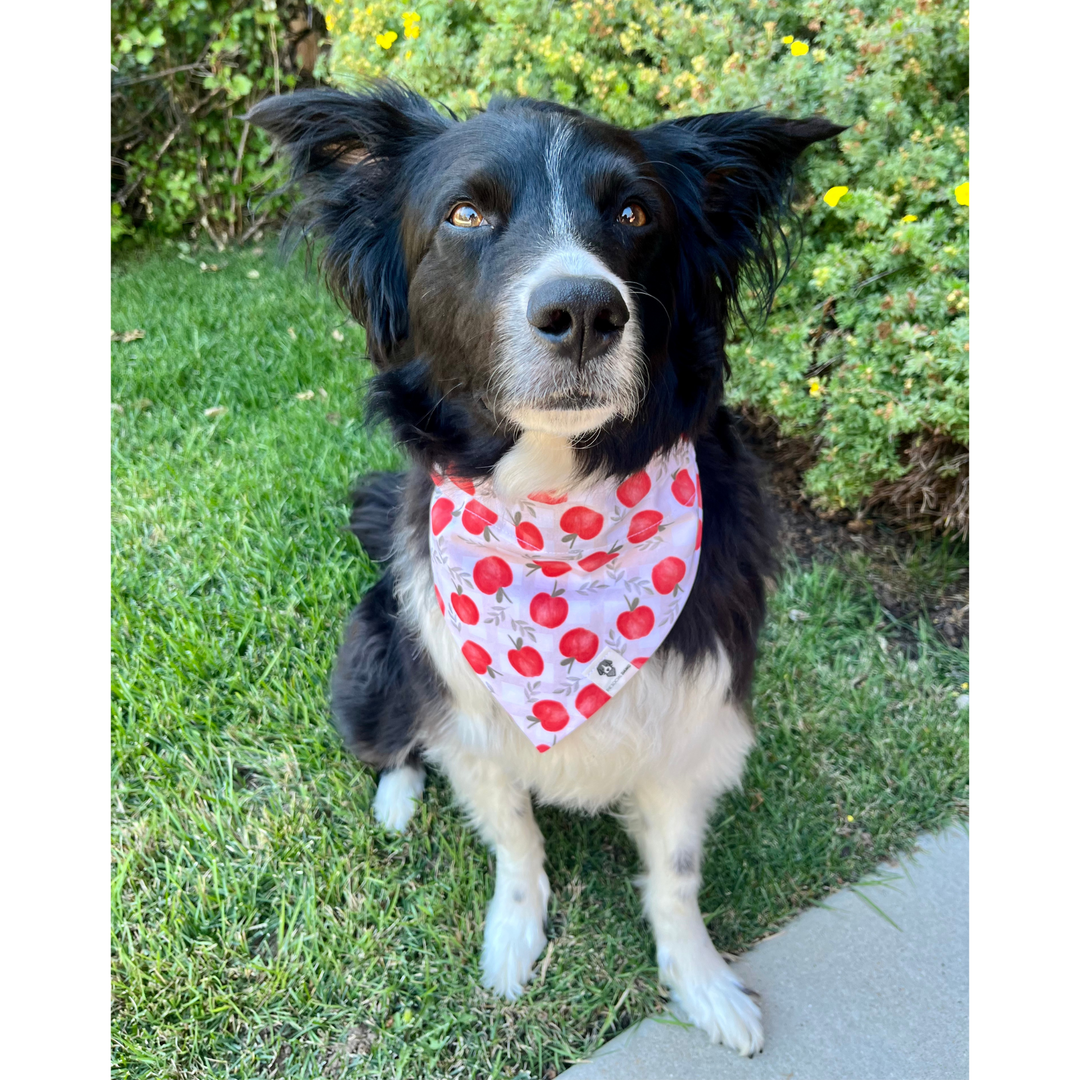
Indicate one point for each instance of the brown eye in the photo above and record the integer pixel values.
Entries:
(633, 214)
(465, 216)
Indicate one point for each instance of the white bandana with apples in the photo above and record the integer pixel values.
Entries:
(559, 600)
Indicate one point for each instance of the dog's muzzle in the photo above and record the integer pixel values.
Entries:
(578, 319)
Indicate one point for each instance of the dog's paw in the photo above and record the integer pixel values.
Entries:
(706, 994)
(514, 932)
(399, 792)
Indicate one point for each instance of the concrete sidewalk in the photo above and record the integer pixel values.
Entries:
(846, 995)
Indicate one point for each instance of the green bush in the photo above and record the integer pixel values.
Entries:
(183, 73)
(865, 355)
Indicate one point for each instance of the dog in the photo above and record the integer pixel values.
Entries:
(547, 298)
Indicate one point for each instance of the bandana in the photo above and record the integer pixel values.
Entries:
(558, 601)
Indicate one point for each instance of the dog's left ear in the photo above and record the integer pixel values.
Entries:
(730, 175)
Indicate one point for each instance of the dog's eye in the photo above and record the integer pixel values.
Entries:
(633, 214)
(465, 216)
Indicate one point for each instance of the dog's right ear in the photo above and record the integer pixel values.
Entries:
(347, 152)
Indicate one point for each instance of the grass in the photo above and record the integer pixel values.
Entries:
(263, 925)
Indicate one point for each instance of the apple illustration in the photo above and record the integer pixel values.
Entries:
(667, 574)
(683, 488)
(436, 479)
(579, 644)
(548, 610)
(699, 502)
(697, 543)
(580, 521)
(644, 525)
(476, 518)
(590, 699)
(478, 657)
(441, 513)
(438, 597)
(542, 747)
(465, 608)
(639, 662)
(550, 567)
(631, 492)
(465, 485)
(529, 536)
(551, 714)
(597, 559)
(636, 622)
(525, 661)
(492, 575)
(549, 498)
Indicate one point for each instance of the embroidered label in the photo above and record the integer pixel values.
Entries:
(611, 671)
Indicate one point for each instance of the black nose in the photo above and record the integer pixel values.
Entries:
(579, 316)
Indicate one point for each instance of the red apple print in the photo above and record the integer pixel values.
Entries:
(636, 622)
(597, 559)
(643, 525)
(548, 610)
(438, 596)
(478, 657)
(551, 714)
(476, 518)
(683, 488)
(465, 485)
(631, 492)
(590, 699)
(639, 662)
(580, 521)
(549, 498)
(492, 575)
(465, 608)
(667, 574)
(436, 479)
(525, 661)
(697, 543)
(579, 644)
(441, 513)
(550, 568)
(542, 747)
(699, 489)
(529, 537)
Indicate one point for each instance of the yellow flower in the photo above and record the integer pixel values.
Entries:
(961, 193)
(411, 22)
(788, 40)
(385, 39)
(835, 194)
(815, 387)
(963, 686)
(850, 818)
(408, 54)
(910, 217)
(799, 48)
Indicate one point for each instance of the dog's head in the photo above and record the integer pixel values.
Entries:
(534, 269)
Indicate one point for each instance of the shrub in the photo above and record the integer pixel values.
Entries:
(865, 354)
(184, 72)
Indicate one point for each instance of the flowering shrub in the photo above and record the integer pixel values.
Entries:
(865, 354)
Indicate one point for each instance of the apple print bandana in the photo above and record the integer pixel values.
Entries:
(558, 601)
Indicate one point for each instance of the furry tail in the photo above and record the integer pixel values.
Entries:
(376, 499)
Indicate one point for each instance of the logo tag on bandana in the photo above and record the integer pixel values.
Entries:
(556, 602)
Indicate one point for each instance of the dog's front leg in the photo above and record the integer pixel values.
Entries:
(667, 820)
(502, 812)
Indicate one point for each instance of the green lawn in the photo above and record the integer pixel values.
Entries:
(263, 925)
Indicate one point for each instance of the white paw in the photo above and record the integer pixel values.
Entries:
(399, 792)
(514, 932)
(706, 994)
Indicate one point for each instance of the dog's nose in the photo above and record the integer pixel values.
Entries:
(579, 316)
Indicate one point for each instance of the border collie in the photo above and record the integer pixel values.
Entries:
(546, 298)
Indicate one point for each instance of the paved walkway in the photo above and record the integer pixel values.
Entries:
(846, 995)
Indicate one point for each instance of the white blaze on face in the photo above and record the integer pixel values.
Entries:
(528, 378)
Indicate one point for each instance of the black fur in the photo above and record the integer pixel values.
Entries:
(382, 171)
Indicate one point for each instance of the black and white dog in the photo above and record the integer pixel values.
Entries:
(443, 237)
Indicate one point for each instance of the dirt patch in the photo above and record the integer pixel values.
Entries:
(913, 575)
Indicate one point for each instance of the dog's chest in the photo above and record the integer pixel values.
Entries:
(667, 720)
